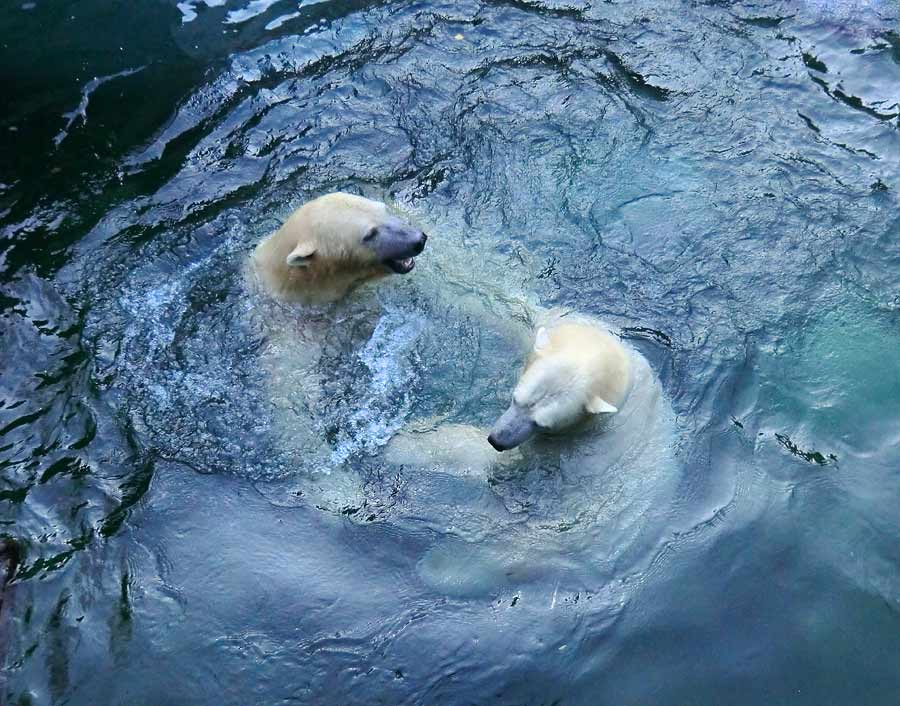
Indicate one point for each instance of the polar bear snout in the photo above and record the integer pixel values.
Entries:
(514, 427)
(395, 244)
(496, 444)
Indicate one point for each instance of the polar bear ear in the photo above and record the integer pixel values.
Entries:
(301, 255)
(541, 339)
(598, 405)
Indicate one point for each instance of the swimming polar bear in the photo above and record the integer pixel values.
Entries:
(332, 244)
(576, 369)
(584, 499)
(304, 275)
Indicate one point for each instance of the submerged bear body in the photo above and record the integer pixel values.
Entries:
(582, 485)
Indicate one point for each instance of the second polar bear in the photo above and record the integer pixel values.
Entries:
(584, 493)
(328, 247)
(576, 369)
(331, 244)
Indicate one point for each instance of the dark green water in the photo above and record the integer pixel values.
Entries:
(719, 179)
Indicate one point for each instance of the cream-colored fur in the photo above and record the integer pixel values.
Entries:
(576, 368)
(329, 232)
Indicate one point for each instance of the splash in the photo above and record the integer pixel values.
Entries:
(389, 357)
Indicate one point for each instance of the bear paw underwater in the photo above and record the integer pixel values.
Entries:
(333, 243)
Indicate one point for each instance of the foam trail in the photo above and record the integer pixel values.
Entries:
(81, 109)
(387, 405)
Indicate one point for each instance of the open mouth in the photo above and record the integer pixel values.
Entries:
(401, 267)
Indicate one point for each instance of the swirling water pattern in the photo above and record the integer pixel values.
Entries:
(719, 180)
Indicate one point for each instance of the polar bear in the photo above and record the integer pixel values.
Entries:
(333, 243)
(576, 369)
(590, 493)
(326, 248)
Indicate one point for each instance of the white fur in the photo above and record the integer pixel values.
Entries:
(577, 368)
(318, 254)
(603, 506)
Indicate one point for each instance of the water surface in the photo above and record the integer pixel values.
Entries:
(717, 179)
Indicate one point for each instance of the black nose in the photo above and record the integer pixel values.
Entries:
(493, 442)
(420, 244)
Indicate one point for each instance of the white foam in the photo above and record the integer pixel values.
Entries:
(281, 19)
(80, 110)
(253, 9)
(188, 8)
(387, 357)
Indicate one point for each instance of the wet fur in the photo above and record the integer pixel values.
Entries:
(333, 225)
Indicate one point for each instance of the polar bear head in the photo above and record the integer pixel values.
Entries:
(334, 242)
(575, 370)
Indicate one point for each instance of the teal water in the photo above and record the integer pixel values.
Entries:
(717, 179)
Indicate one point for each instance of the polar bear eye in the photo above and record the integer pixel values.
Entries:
(370, 236)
